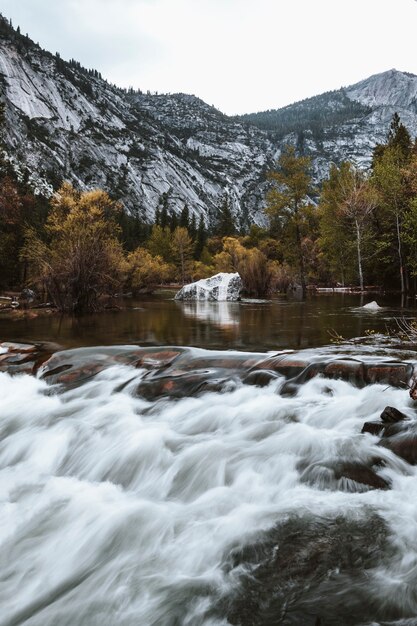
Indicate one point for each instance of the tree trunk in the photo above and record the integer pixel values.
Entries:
(358, 247)
(300, 255)
(400, 253)
(342, 276)
(182, 268)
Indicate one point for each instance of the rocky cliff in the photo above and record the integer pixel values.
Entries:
(66, 122)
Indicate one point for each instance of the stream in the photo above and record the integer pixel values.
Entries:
(187, 487)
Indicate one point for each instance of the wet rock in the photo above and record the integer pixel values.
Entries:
(307, 571)
(403, 445)
(26, 367)
(158, 359)
(73, 367)
(288, 366)
(345, 369)
(395, 373)
(393, 422)
(220, 287)
(12, 346)
(27, 296)
(390, 415)
(348, 476)
(22, 358)
(297, 368)
(260, 378)
(374, 428)
(182, 384)
(361, 474)
(241, 361)
(413, 390)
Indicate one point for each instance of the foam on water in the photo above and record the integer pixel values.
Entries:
(115, 510)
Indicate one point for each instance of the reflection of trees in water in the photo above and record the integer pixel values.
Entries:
(273, 325)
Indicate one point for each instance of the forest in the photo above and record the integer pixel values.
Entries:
(80, 247)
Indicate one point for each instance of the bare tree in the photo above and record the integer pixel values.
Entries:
(359, 201)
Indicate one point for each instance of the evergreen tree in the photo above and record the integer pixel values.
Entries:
(336, 238)
(389, 180)
(164, 219)
(225, 223)
(193, 227)
(201, 239)
(288, 199)
(399, 137)
(184, 221)
(159, 242)
(173, 222)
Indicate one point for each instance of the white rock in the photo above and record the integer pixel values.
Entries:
(372, 306)
(218, 288)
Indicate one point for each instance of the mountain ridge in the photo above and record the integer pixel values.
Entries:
(66, 122)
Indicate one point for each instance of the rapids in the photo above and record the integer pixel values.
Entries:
(121, 510)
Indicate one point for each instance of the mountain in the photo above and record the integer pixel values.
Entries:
(343, 124)
(63, 121)
(66, 122)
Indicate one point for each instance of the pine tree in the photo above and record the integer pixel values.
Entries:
(193, 227)
(398, 136)
(336, 237)
(164, 210)
(173, 221)
(225, 223)
(288, 199)
(201, 239)
(184, 221)
(389, 180)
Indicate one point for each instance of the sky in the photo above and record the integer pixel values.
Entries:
(239, 55)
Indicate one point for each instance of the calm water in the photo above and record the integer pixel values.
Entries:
(248, 325)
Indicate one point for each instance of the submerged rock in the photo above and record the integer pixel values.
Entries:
(343, 475)
(309, 571)
(218, 288)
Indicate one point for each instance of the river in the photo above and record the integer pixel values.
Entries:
(248, 325)
(223, 506)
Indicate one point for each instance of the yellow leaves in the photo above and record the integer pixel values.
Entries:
(84, 260)
(145, 271)
(89, 214)
(251, 264)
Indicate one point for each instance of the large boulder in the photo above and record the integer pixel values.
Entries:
(217, 288)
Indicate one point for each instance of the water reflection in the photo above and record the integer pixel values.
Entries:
(247, 325)
(222, 314)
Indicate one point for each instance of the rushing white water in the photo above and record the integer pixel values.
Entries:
(119, 511)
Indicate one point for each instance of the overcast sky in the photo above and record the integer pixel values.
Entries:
(240, 55)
